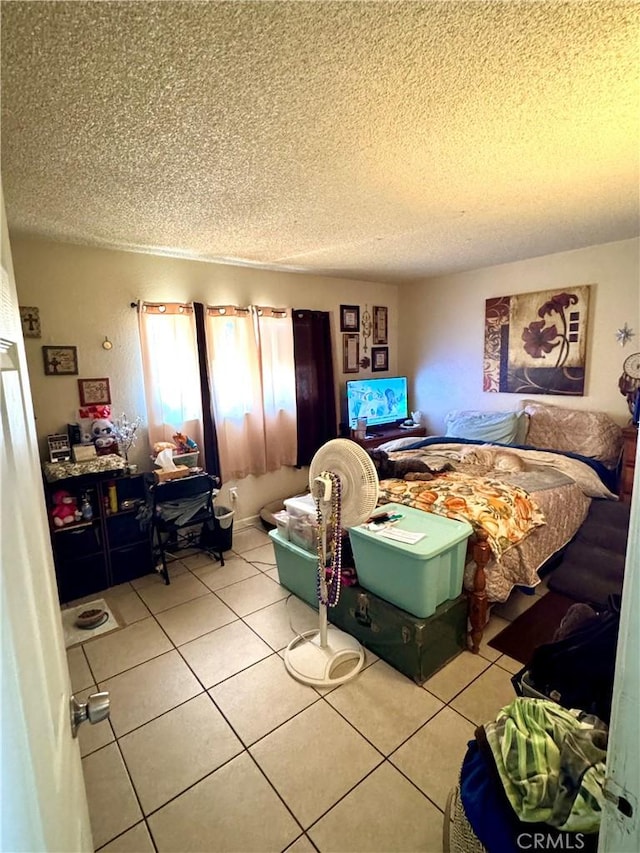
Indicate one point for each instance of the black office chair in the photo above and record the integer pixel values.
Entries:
(183, 517)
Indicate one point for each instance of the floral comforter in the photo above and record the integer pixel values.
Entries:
(507, 513)
(525, 524)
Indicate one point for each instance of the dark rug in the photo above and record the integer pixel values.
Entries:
(536, 626)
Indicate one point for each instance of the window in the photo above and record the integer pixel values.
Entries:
(253, 388)
(171, 375)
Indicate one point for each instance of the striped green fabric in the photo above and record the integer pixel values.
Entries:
(551, 762)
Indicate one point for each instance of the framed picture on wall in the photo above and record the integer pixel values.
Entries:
(380, 325)
(351, 353)
(94, 392)
(30, 319)
(379, 359)
(349, 318)
(60, 361)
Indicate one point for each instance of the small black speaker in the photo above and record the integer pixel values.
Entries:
(75, 434)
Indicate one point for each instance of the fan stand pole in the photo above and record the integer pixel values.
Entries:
(313, 657)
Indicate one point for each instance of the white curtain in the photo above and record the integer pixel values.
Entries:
(250, 353)
(171, 371)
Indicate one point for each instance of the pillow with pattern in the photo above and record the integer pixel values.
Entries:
(592, 434)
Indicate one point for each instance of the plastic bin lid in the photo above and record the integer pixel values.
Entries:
(301, 503)
(440, 533)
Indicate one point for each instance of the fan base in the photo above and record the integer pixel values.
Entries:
(309, 662)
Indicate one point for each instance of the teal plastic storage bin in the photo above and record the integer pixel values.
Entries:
(415, 577)
(297, 568)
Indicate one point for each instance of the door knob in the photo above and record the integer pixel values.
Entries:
(95, 709)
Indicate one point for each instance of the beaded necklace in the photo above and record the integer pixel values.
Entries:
(329, 554)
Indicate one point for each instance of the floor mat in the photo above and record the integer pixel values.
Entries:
(534, 627)
(74, 635)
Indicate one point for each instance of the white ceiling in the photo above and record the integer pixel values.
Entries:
(372, 140)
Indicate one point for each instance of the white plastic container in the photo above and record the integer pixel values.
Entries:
(282, 523)
(303, 522)
(301, 505)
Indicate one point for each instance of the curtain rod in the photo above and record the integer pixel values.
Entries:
(221, 309)
(161, 307)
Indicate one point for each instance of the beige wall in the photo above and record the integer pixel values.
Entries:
(442, 329)
(436, 327)
(84, 294)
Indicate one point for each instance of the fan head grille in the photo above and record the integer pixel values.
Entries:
(358, 477)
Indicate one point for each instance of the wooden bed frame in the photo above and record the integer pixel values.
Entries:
(478, 602)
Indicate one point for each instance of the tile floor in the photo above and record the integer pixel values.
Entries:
(211, 746)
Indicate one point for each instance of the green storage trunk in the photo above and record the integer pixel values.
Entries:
(414, 646)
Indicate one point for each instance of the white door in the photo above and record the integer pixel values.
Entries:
(44, 805)
(620, 829)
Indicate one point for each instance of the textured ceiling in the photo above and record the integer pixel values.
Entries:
(373, 140)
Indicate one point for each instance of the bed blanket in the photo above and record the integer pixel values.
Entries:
(594, 474)
(564, 506)
(507, 513)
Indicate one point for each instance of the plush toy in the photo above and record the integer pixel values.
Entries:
(65, 509)
(185, 444)
(163, 445)
(104, 437)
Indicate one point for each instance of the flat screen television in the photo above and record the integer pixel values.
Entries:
(380, 401)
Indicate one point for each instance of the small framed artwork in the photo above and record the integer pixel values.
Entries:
(94, 392)
(379, 359)
(350, 353)
(60, 361)
(349, 318)
(30, 320)
(380, 322)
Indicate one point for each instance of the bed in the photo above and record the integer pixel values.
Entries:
(524, 480)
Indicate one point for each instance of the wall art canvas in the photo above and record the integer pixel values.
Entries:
(535, 343)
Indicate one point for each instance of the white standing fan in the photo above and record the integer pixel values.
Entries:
(341, 477)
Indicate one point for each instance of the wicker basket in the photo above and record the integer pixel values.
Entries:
(458, 835)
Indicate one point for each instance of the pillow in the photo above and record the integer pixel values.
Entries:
(490, 427)
(591, 434)
(399, 443)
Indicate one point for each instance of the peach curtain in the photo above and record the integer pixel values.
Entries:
(253, 388)
(171, 372)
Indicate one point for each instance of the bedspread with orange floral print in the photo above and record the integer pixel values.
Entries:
(507, 513)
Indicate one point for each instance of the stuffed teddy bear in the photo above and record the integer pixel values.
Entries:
(65, 509)
(104, 437)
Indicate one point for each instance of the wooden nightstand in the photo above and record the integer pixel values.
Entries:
(630, 441)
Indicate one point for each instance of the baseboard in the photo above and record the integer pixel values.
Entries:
(249, 521)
